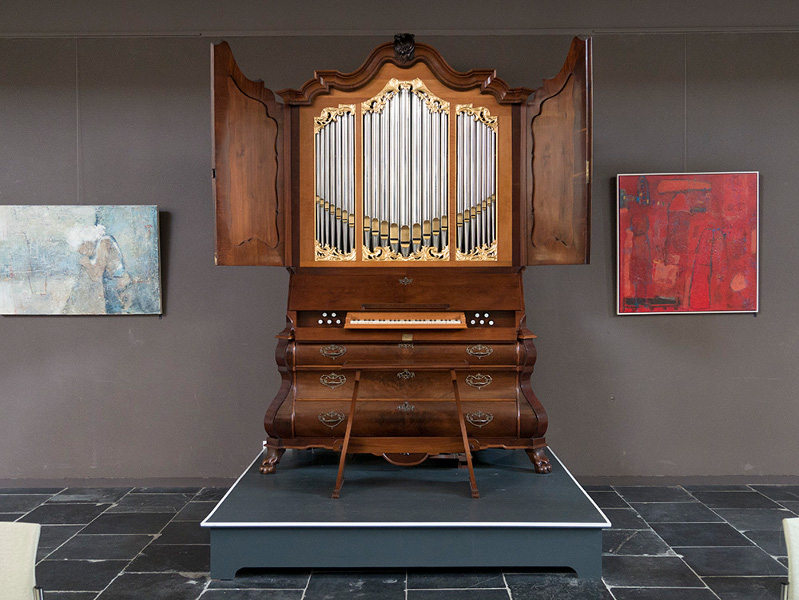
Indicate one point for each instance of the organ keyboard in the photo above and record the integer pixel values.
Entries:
(406, 198)
(398, 320)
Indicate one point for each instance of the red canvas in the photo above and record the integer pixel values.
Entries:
(687, 243)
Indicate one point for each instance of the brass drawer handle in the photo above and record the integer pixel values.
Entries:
(406, 407)
(406, 374)
(479, 350)
(332, 351)
(479, 380)
(406, 281)
(332, 418)
(479, 418)
(333, 380)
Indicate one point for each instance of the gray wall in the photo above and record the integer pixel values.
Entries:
(90, 114)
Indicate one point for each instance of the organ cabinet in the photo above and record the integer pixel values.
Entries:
(405, 198)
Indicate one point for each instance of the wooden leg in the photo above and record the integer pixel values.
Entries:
(271, 458)
(467, 452)
(343, 459)
(540, 460)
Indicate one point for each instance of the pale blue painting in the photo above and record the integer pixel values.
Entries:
(79, 260)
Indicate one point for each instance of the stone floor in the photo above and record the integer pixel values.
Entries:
(675, 542)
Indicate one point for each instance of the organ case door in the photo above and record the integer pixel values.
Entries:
(252, 221)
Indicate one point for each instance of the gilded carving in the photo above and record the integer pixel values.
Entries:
(328, 252)
(484, 252)
(386, 253)
(330, 114)
(480, 114)
(393, 87)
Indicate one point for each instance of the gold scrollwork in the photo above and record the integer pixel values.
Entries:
(333, 380)
(406, 374)
(484, 252)
(479, 350)
(330, 114)
(328, 252)
(479, 418)
(378, 103)
(332, 350)
(386, 253)
(479, 380)
(333, 418)
(480, 114)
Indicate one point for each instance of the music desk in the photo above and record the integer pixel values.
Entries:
(406, 517)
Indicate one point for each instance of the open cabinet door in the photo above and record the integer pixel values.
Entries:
(558, 215)
(249, 162)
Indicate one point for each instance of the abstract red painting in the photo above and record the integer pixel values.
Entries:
(687, 243)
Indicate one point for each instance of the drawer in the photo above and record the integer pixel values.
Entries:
(405, 384)
(472, 353)
(389, 418)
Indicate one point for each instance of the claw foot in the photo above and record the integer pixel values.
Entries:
(272, 457)
(540, 461)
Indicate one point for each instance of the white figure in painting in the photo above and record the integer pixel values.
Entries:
(102, 284)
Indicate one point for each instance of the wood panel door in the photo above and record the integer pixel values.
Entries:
(249, 164)
(558, 164)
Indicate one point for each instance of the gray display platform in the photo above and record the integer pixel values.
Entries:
(421, 516)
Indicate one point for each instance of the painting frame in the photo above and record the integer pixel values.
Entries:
(687, 243)
(63, 259)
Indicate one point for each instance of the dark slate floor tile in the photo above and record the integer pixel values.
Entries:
(389, 586)
(745, 519)
(469, 594)
(598, 488)
(624, 518)
(648, 571)
(773, 542)
(154, 586)
(427, 580)
(676, 512)
(635, 543)
(746, 588)
(663, 594)
(542, 586)
(166, 490)
(790, 505)
(783, 560)
(77, 575)
(20, 503)
(253, 595)
(10, 516)
(653, 493)
(70, 595)
(265, 579)
(724, 487)
(184, 532)
(103, 547)
(195, 511)
(608, 500)
(186, 559)
(92, 495)
(52, 536)
(211, 494)
(747, 560)
(700, 534)
(29, 490)
(778, 492)
(735, 500)
(159, 503)
(146, 523)
(65, 514)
